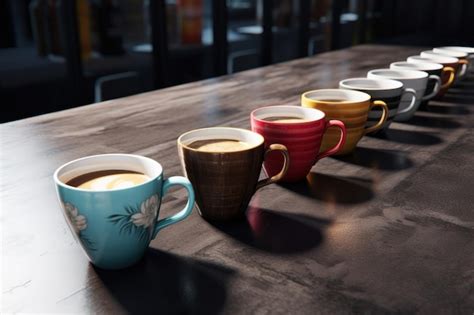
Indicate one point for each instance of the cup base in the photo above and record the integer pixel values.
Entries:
(114, 266)
(240, 216)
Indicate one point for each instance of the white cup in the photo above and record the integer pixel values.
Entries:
(468, 50)
(389, 91)
(434, 71)
(412, 79)
(447, 52)
(444, 60)
(462, 60)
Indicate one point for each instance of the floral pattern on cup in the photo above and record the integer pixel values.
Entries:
(140, 219)
(147, 214)
(78, 222)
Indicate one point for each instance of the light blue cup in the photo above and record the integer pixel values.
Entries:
(115, 227)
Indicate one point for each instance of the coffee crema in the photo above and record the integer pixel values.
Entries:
(285, 119)
(219, 145)
(334, 100)
(108, 180)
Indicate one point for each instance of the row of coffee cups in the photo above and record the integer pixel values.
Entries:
(222, 165)
(296, 137)
(424, 77)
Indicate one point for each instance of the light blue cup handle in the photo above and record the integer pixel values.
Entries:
(183, 214)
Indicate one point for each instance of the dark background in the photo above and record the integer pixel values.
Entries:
(135, 46)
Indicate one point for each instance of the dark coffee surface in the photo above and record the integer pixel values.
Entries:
(285, 119)
(79, 180)
(386, 230)
(334, 100)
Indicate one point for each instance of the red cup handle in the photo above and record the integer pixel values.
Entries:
(339, 124)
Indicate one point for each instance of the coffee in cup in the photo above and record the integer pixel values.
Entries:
(111, 203)
(285, 119)
(219, 145)
(108, 180)
(350, 107)
(224, 165)
(299, 129)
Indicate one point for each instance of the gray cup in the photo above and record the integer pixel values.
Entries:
(411, 79)
(389, 91)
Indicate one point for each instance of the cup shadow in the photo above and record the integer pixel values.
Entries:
(466, 83)
(333, 189)
(460, 97)
(275, 232)
(450, 110)
(390, 160)
(435, 122)
(408, 137)
(168, 284)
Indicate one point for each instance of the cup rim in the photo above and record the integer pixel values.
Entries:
(366, 97)
(430, 65)
(260, 139)
(395, 85)
(466, 49)
(135, 156)
(254, 113)
(442, 59)
(435, 55)
(457, 54)
(415, 74)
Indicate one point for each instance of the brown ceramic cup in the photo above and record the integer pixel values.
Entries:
(223, 165)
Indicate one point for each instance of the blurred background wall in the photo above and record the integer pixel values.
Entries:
(58, 54)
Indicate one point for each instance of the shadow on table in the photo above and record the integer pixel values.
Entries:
(333, 189)
(276, 232)
(408, 137)
(466, 83)
(165, 283)
(435, 122)
(459, 97)
(390, 160)
(438, 108)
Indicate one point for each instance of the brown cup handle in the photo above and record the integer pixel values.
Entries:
(286, 165)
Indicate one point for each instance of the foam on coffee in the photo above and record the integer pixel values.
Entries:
(108, 180)
(219, 145)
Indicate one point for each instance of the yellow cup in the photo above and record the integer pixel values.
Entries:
(352, 108)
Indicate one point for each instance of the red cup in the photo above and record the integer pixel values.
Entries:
(301, 130)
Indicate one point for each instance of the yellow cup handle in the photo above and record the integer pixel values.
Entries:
(452, 74)
(382, 120)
